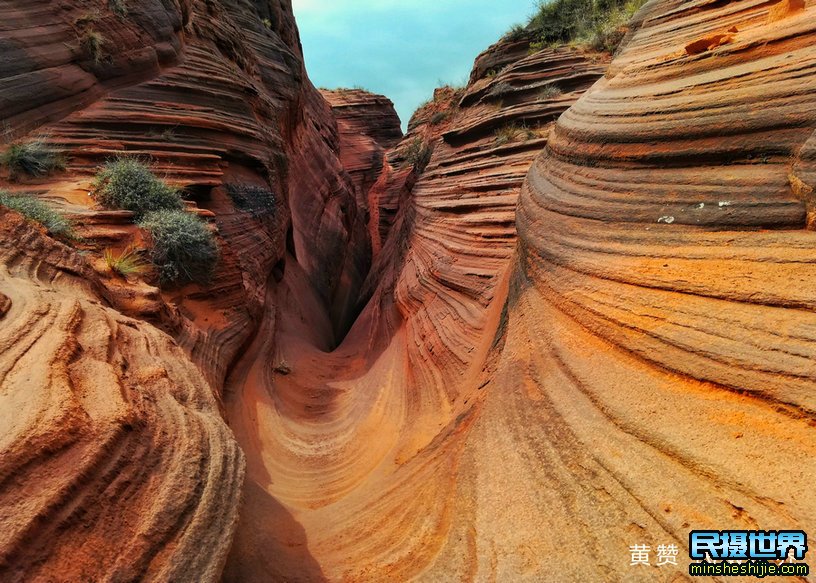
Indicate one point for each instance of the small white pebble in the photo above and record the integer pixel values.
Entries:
(666, 219)
(701, 205)
(724, 203)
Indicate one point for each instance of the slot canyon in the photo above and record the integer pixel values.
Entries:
(572, 309)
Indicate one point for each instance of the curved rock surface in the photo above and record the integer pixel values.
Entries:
(116, 464)
(229, 104)
(126, 471)
(651, 370)
(368, 126)
(353, 452)
(436, 370)
(660, 317)
(366, 114)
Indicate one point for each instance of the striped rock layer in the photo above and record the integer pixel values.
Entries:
(643, 369)
(354, 452)
(438, 374)
(115, 461)
(658, 374)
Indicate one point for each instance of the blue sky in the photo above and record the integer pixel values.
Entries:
(400, 48)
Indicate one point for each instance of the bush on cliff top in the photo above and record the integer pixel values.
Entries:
(516, 33)
(127, 183)
(38, 211)
(183, 248)
(600, 24)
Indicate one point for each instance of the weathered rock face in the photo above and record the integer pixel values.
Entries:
(361, 113)
(636, 384)
(51, 69)
(217, 95)
(368, 127)
(353, 455)
(658, 374)
(116, 439)
(434, 372)
(116, 464)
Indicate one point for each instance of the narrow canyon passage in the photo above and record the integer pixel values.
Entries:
(337, 437)
(607, 385)
(354, 450)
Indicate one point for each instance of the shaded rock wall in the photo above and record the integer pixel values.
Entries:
(125, 470)
(49, 70)
(211, 93)
(365, 114)
(368, 126)
(616, 375)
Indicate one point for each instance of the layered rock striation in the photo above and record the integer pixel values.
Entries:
(116, 459)
(658, 321)
(217, 96)
(116, 462)
(354, 451)
(431, 367)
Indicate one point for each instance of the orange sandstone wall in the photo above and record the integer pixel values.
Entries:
(116, 463)
(448, 373)
(354, 453)
(115, 457)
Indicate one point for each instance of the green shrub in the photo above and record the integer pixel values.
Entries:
(253, 199)
(34, 158)
(607, 34)
(513, 133)
(118, 7)
(93, 43)
(516, 33)
(550, 91)
(183, 248)
(560, 21)
(38, 211)
(499, 89)
(127, 263)
(598, 23)
(351, 89)
(536, 46)
(127, 183)
(418, 154)
(439, 117)
(87, 18)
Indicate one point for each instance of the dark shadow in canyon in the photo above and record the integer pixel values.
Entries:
(273, 550)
